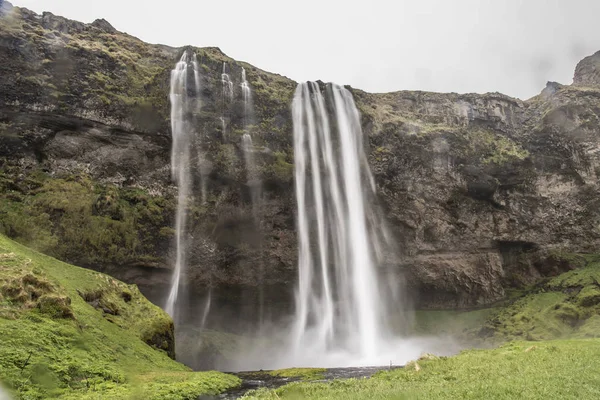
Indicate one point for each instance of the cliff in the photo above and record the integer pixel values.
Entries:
(482, 192)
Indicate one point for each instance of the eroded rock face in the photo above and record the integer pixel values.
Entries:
(480, 192)
(587, 72)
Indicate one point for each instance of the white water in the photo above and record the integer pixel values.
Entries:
(247, 97)
(339, 300)
(227, 95)
(183, 103)
(252, 177)
(227, 83)
(247, 148)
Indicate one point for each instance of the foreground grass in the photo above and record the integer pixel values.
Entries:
(565, 369)
(555, 327)
(71, 333)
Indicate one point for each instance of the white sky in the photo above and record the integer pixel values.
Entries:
(510, 46)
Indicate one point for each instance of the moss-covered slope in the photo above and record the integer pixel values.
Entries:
(68, 332)
(567, 306)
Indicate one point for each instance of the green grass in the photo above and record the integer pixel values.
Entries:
(72, 333)
(565, 369)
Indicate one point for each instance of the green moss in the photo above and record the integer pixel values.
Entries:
(281, 169)
(590, 275)
(305, 374)
(589, 296)
(565, 306)
(494, 148)
(72, 333)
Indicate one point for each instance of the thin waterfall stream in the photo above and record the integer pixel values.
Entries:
(183, 97)
(227, 96)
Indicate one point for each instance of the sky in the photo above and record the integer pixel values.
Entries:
(508, 46)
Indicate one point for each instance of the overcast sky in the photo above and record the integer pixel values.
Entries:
(510, 46)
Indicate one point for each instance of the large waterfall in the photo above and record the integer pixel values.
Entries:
(183, 95)
(339, 299)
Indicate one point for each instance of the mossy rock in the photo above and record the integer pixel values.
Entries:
(55, 306)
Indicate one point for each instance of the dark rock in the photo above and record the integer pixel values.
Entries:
(479, 184)
(104, 25)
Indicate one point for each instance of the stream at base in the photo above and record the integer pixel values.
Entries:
(261, 379)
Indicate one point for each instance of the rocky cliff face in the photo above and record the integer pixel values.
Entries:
(481, 192)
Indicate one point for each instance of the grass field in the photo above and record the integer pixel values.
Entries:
(562, 369)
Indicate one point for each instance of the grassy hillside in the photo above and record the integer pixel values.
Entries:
(71, 333)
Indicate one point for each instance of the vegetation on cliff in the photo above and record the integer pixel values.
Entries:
(72, 333)
(566, 306)
(82, 221)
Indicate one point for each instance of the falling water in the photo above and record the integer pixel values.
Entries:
(246, 95)
(247, 149)
(183, 104)
(227, 96)
(227, 83)
(339, 304)
(252, 177)
(254, 184)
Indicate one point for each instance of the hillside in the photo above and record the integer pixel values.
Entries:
(71, 333)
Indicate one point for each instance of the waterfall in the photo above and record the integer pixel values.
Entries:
(249, 158)
(183, 97)
(246, 96)
(227, 83)
(248, 147)
(254, 184)
(349, 308)
(339, 302)
(227, 95)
